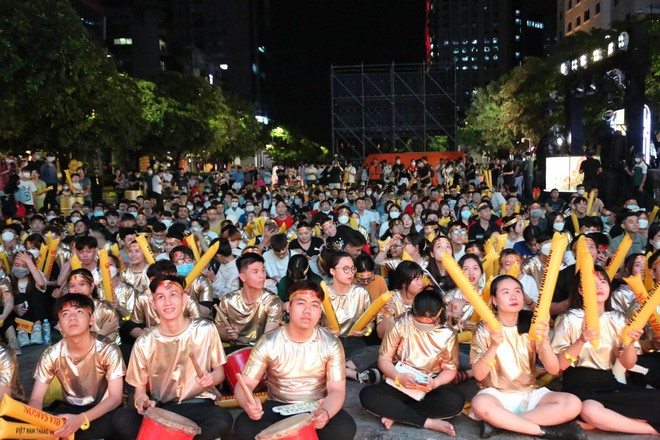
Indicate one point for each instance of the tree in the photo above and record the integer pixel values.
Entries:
(58, 88)
(291, 148)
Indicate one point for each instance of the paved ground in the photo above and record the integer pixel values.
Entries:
(369, 427)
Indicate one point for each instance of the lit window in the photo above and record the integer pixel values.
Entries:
(518, 22)
(464, 50)
(495, 58)
(446, 42)
(517, 38)
(465, 67)
(486, 49)
(517, 12)
(474, 67)
(487, 58)
(474, 41)
(494, 40)
(224, 66)
(486, 40)
(465, 59)
(517, 54)
(161, 44)
(456, 51)
(123, 41)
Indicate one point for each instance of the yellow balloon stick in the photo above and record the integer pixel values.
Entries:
(470, 292)
(548, 283)
(619, 256)
(371, 312)
(489, 261)
(501, 242)
(590, 201)
(485, 294)
(514, 270)
(406, 256)
(503, 210)
(50, 259)
(67, 174)
(49, 238)
(649, 283)
(576, 223)
(114, 250)
(641, 315)
(106, 278)
(145, 248)
(204, 260)
(653, 214)
(637, 286)
(24, 431)
(191, 242)
(43, 253)
(75, 262)
(516, 208)
(329, 310)
(588, 284)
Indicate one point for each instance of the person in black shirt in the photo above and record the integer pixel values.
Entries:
(484, 225)
(304, 242)
(591, 168)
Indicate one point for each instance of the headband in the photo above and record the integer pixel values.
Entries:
(169, 284)
(513, 221)
(305, 292)
(79, 276)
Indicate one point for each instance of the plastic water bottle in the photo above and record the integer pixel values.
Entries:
(46, 331)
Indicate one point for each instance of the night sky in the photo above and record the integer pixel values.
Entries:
(308, 36)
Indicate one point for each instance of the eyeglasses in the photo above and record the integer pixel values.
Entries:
(348, 269)
(459, 231)
(397, 245)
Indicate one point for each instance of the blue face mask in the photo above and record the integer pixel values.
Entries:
(466, 214)
(184, 269)
(98, 213)
(604, 219)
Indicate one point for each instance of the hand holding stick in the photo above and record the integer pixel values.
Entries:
(200, 374)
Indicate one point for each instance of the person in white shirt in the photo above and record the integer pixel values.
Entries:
(234, 208)
(226, 278)
(25, 193)
(352, 174)
(276, 260)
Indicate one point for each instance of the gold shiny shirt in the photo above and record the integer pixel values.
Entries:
(516, 359)
(297, 371)
(85, 380)
(125, 295)
(144, 312)
(9, 372)
(139, 280)
(568, 328)
(624, 300)
(251, 319)
(430, 351)
(106, 320)
(349, 307)
(163, 362)
(201, 289)
(397, 306)
(534, 268)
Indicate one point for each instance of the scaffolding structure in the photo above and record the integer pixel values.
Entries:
(391, 108)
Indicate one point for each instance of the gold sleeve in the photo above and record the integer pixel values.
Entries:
(45, 370)
(480, 343)
(137, 373)
(138, 315)
(391, 338)
(258, 360)
(565, 334)
(335, 369)
(192, 309)
(114, 363)
(202, 289)
(275, 309)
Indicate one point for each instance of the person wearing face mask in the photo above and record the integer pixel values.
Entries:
(629, 222)
(28, 284)
(26, 191)
(653, 242)
(644, 225)
(394, 212)
(234, 208)
(11, 243)
(536, 217)
(419, 339)
(535, 266)
(201, 289)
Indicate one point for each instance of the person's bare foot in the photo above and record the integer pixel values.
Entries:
(439, 425)
(387, 423)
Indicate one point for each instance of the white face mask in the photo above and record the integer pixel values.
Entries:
(643, 223)
(167, 222)
(74, 219)
(34, 252)
(26, 175)
(113, 271)
(656, 244)
(7, 236)
(633, 208)
(395, 214)
(249, 208)
(638, 160)
(545, 249)
(559, 226)
(343, 219)
(234, 205)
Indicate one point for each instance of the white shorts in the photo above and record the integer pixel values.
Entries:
(517, 402)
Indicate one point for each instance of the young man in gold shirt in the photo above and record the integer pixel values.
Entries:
(90, 369)
(304, 362)
(161, 361)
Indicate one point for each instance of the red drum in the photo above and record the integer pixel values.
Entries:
(159, 424)
(298, 427)
(236, 362)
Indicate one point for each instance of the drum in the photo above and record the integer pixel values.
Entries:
(160, 424)
(298, 427)
(236, 362)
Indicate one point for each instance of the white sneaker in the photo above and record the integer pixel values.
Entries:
(23, 338)
(37, 337)
(14, 345)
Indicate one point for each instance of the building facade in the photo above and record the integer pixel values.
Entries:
(583, 15)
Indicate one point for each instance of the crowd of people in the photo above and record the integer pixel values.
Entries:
(297, 256)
